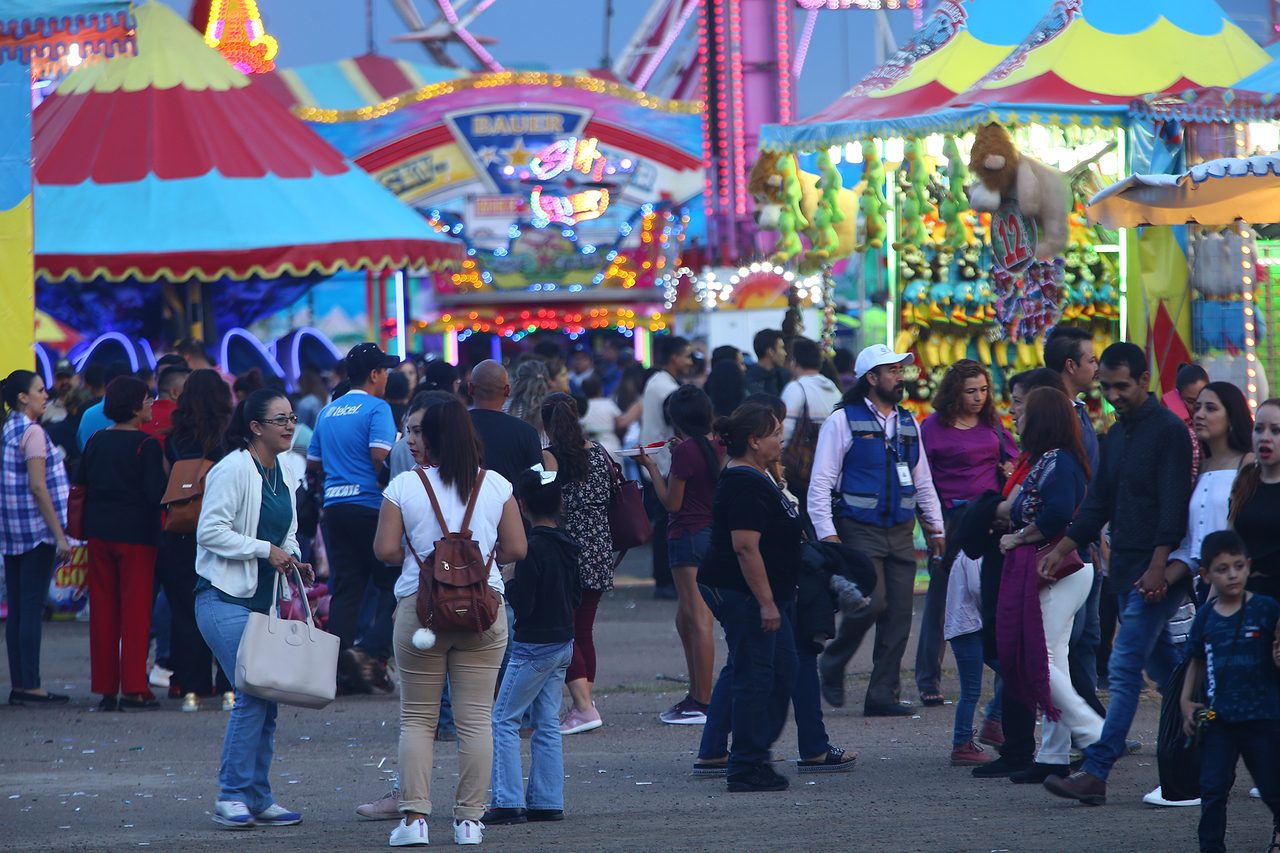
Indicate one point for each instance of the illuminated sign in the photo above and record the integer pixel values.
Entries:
(516, 124)
(418, 174)
(563, 161)
(569, 209)
(500, 206)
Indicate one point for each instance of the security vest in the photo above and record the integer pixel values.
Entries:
(870, 490)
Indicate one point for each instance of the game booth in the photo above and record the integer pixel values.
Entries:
(977, 146)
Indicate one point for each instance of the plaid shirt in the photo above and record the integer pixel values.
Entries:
(21, 525)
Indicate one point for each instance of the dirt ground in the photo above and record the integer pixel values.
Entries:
(77, 779)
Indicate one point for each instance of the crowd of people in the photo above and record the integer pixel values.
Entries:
(784, 498)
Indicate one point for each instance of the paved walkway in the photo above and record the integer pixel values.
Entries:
(76, 779)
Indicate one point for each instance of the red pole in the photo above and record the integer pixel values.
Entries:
(368, 302)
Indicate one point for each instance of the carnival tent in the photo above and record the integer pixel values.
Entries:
(39, 32)
(1081, 64)
(1055, 76)
(1214, 193)
(171, 165)
(956, 46)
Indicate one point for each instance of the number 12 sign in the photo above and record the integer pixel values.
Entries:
(1013, 237)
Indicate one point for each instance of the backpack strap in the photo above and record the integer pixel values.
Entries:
(471, 506)
(435, 504)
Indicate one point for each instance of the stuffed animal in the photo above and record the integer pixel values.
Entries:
(916, 173)
(957, 174)
(874, 174)
(873, 221)
(767, 183)
(788, 245)
(828, 241)
(792, 192)
(1002, 171)
(913, 230)
(830, 182)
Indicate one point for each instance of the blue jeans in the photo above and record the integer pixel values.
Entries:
(245, 773)
(761, 677)
(26, 579)
(806, 704)
(1258, 743)
(1142, 640)
(531, 685)
(967, 649)
(161, 620)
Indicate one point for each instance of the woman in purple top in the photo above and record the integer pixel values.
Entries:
(969, 450)
(687, 494)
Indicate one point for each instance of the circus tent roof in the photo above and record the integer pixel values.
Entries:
(171, 164)
(959, 43)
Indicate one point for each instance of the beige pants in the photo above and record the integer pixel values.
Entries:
(471, 661)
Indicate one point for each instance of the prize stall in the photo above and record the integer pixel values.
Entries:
(568, 195)
(972, 209)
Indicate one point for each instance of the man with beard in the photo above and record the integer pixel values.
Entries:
(870, 478)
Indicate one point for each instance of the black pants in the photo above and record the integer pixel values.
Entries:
(1257, 742)
(348, 535)
(189, 656)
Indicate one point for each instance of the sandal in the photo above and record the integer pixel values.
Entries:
(931, 700)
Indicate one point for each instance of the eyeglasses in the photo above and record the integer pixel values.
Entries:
(282, 420)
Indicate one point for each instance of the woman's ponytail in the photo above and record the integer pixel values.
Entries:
(237, 436)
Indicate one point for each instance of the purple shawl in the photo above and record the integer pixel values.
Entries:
(1020, 641)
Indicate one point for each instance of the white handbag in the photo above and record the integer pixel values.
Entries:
(285, 660)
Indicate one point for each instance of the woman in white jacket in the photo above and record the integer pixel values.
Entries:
(246, 536)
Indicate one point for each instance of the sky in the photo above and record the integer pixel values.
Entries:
(563, 34)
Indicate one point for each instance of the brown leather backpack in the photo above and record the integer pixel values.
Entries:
(453, 581)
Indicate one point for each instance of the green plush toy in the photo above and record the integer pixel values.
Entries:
(788, 245)
(957, 171)
(913, 230)
(917, 174)
(873, 220)
(949, 212)
(830, 182)
(792, 192)
(826, 242)
(874, 174)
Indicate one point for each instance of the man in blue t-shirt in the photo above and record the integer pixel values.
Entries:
(352, 438)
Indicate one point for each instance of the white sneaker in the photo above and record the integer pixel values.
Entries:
(468, 832)
(1255, 793)
(160, 676)
(410, 834)
(232, 814)
(277, 815)
(1156, 798)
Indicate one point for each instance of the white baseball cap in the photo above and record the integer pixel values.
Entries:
(878, 354)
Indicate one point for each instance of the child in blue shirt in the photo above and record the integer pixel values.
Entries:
(542, 592)
(1234, 656)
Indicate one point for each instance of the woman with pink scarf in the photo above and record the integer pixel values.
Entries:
(1034, 615)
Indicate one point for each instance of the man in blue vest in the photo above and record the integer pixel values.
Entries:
(870, 479)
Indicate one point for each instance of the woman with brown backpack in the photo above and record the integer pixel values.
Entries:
(481, 524)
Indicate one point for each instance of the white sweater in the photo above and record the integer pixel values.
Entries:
(227, 547)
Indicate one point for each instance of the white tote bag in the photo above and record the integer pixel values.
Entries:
(285, 660)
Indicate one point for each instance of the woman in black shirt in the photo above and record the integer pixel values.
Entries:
(1255, 502)
(201, 417)
(123, 469)
(748, 577)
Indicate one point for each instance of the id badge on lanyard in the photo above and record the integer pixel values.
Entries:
(904, 474)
